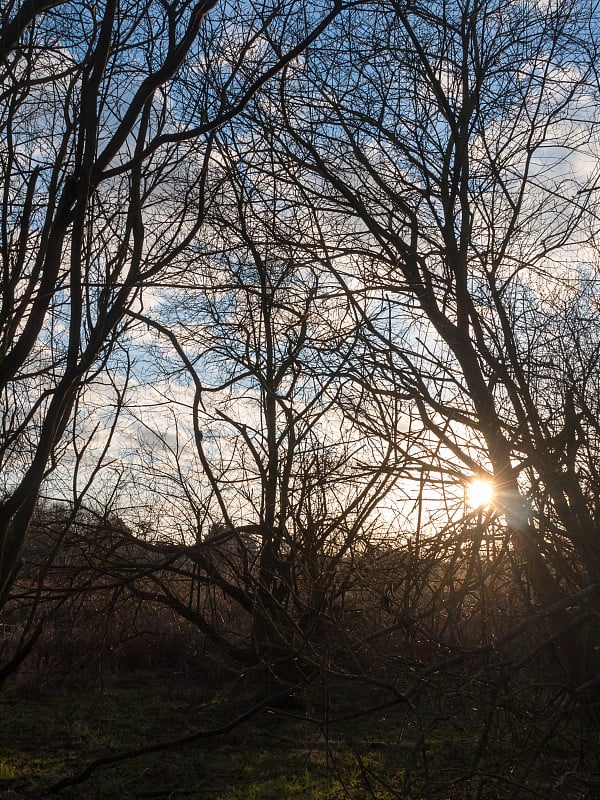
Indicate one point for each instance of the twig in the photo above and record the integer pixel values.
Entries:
(168, 744)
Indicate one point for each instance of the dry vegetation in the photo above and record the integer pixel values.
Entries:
(278, 280)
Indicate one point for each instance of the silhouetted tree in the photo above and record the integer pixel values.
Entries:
(107, 118)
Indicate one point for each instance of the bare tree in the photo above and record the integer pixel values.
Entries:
(453, 150)
(108, 113)
(272, 493)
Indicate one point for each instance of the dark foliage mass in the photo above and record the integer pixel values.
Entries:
(277, 284)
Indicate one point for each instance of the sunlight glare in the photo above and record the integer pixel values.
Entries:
(479, 493)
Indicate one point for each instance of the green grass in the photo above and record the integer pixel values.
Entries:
(396, 753)
(272, 756)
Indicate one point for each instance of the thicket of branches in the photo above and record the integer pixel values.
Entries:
(276, 284)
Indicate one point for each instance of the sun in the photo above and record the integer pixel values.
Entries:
(479, 493)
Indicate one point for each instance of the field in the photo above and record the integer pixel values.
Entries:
(322, 747)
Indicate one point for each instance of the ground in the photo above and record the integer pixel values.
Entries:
(320, 747)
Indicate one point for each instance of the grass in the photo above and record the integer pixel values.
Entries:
(274, 755)
(393, 753)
